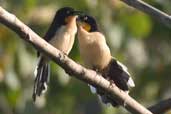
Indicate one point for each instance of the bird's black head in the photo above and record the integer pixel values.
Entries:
(63, 15)
(88, 23)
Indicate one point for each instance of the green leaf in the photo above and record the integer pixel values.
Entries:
(138, 24)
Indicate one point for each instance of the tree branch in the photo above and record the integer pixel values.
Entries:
(146, 8)
(72, 68)
(161, 107)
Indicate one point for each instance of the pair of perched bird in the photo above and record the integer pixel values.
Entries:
(93, 50)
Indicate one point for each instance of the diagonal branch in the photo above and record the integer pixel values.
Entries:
(161, 107)
(146, 8)
(72, 68)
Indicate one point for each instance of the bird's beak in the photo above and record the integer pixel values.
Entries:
(73, 17)
(77, 13)
(83, 25)
(80, 23)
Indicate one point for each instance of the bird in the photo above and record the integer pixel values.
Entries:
(96, 55)
(61, 35)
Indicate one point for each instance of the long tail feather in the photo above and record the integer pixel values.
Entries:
(42, 73)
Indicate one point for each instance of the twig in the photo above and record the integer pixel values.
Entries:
(144, 7)
(72, 68)
(161, 107)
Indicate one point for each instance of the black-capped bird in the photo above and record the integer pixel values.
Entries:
(61, 34)
(97, 56)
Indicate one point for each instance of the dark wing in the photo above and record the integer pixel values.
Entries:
(52, 30)
(55, 25)
(117, 73)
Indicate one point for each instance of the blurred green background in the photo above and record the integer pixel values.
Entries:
(136, 39)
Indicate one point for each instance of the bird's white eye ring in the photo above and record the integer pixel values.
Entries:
(85, 18)
(68, 12)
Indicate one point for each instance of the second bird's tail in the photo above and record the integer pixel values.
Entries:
(42, 74)
(118, 74)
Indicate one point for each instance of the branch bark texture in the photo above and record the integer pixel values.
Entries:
(161, 107)
(72, 68)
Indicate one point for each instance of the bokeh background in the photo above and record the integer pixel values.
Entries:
(136, 39)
